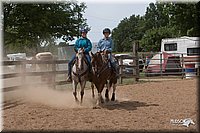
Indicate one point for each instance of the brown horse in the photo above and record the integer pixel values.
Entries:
(102, 73)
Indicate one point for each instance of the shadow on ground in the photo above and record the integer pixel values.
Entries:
(127, 105)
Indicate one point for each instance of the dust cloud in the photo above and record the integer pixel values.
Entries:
(56, 98)
(61, 97)
(36, 91)
(33, 92)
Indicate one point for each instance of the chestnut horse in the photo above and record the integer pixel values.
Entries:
(102, 73)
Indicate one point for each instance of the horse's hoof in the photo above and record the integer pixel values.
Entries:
(81, 102)
(77, 101)
(96, 107)
(107, 100)
(113, 97)
(102, 100)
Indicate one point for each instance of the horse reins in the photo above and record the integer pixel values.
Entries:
(103, 68)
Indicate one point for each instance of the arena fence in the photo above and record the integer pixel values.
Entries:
(165, 66)
(27, 68)
(158, 65)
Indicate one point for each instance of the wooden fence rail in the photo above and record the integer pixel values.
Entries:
(24, 73)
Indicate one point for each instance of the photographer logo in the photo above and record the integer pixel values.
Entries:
(185, 122)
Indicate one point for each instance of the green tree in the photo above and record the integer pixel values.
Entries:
(157, 15)
(161, 20)
(127, 32)
(31, 25)
(151, 41)
(185, 17)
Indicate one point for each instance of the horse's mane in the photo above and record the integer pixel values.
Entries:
(98, 57)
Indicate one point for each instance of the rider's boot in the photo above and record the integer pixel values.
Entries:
(69, 78)
(115, 70)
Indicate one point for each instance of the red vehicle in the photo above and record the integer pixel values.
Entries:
(163, 62)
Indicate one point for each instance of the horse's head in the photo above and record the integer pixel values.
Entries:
(97, 61)
(79, 58)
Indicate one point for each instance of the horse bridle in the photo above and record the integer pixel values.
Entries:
(102, 68)
(82, 74)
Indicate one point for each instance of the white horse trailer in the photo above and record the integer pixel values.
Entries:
(188, 46)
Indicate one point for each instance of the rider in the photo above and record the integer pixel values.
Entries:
(82, 42)
(106, 43)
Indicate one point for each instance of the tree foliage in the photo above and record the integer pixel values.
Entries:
(32, 25)
(184, 16)
(161, 20)
(127, 31)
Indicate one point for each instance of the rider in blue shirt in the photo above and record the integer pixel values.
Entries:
(106, 43)
(82, 42)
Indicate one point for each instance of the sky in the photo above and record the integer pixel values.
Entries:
(102, 14)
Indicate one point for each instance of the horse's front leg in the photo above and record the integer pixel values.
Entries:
(99, 99)
(74, 84)
(113, 94)
(82, 89)
(107, 91)
(92, 86)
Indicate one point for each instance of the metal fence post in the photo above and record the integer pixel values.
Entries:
(161, 59)
(135, 61)
(120, 69)
(182, 70)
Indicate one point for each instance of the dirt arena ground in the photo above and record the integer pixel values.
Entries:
(144, 106)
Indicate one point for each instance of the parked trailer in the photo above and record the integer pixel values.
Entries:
(188, 46)
(181, 51)
(164, 63)
(17, 57)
